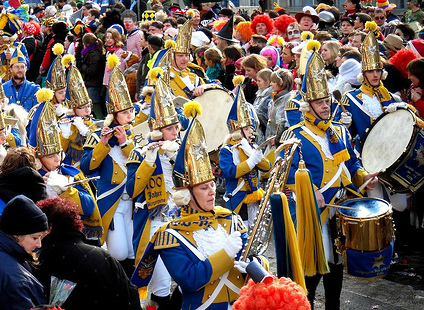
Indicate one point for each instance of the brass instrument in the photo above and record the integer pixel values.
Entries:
(113, 131)
(260, 233)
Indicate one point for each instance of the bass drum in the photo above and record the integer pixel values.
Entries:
(394, 146)
(216, 105)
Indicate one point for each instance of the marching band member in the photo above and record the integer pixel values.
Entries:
(106, 152)
(333, 166)
(45, 139)
(150, 183)
(187, 79)
(368, 102)
(199, 248)
(3, 138)
(56, 81)
(240, 161)
(75, 127)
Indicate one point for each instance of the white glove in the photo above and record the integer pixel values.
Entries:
(233, 244)
(170, 148)
(241, 265)
(394, 106)
(346, 118)
(151, 154)
(245, 146)
(61, 111)
(82, 128)
(66, 130)
(255, 159)
(57, 182)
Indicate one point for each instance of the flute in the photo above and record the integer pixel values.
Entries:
(112, 131)
(68, 120)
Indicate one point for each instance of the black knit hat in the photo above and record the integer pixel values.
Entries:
(21, 216)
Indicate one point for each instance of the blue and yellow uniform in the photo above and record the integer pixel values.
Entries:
(362, 118)
(98, 157)
(242, 183)
(184, 82)
(83, 197)
(293, 114)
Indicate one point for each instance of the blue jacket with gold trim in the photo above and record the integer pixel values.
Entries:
(97, 158)
(235, 170)
(361, 120)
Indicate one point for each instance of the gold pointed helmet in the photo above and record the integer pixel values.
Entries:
(2, 94)
(118, 97)
(184, 35)
(239, 115)
(162, 110)
(314, 84)
(370, 53)
(2, 122)
(56, 76)
(76, 93)
(192, 164)
(44, 131)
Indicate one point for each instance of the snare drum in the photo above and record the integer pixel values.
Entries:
(368, 231)
(216, 105)
(367, 224)
(394, 146)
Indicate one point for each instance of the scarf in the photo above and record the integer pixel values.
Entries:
(89, 49)
(380, 91)
(111, 49)
(191, 220)
(337, 147)
(213, 72)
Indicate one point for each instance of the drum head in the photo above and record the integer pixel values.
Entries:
(387, 140)
(365, 208)
(140, 133)
(216, 105)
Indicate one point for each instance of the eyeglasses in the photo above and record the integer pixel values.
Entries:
(290, 33)
(380, 17)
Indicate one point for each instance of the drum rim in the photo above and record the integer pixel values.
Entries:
(389, 211)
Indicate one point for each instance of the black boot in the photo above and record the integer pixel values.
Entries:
(176, 301)
(128, 266)
(163, 302)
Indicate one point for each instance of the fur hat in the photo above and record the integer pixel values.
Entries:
(21, 216)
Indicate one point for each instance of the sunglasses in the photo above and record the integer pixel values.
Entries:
(379, 17)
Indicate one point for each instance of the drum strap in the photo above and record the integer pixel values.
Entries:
(359, 105)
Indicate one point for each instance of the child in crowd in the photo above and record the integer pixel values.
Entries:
(213, 58)
(263, 101)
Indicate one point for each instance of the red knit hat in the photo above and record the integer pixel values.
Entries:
(417, 46)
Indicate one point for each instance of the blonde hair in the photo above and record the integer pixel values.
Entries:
(283, 78)
(264, 74)
(116, 36)
(334, 47)
(255, 62)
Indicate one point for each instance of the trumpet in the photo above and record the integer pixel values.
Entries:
(67, 120)
(113, 131)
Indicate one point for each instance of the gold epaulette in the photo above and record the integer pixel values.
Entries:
(290, 106)
(32, 112)
(240, 225)
(165, 240)
(194, 66)
(135, 156)
(288, 134)
(92, 140)
(345, 101)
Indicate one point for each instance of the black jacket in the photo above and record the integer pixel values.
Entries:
(101, 281)
(23, 181)
(226, 77)
(92, 68)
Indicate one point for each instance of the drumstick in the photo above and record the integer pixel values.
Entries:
(340, 207)
(362, 187)
(338, 96)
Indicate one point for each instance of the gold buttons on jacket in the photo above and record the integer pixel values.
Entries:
(94, 159)
(327, 171)
(116, 172)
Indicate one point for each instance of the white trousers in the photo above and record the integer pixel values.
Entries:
(119, 240)
(161, 279)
